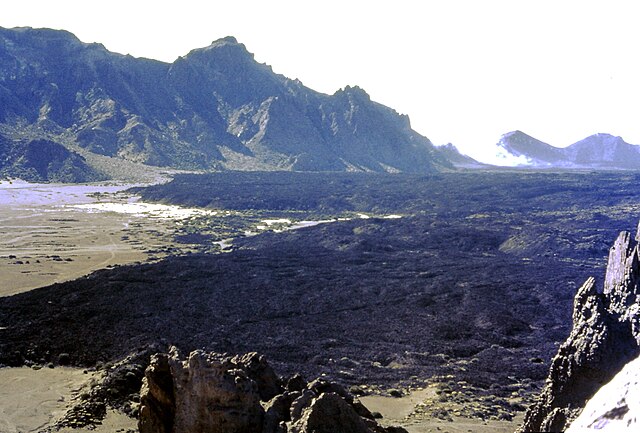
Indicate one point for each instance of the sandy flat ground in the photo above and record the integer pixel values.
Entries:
(39, 249)
(53, 233)
(405, 412)
(31, 400)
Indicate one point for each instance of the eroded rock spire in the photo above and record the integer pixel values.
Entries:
(605, 336)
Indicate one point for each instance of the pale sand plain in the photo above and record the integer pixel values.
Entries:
(32, 400)
(407, 411)
(53, 233)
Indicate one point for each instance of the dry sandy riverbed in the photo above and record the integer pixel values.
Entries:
(52, 233)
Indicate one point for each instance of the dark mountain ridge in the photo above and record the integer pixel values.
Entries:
(520, 144)
(214, 108)
(598, 151)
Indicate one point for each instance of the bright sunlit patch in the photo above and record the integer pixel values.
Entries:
(277, 221)
(503, 158)
(146, 209)
(303, 224)
(17, 192)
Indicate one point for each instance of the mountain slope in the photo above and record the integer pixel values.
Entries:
(604, 150)
(215, 108)
(458, 159)
(536, 152)
(43, 160)
(598, 151)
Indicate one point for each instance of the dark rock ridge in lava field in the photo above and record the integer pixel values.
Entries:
(605, 336)
(214, 108)
(374, 300)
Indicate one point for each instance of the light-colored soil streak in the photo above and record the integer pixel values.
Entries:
(47, 235)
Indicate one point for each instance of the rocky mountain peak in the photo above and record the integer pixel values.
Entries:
(515, 134)
(605, 336)
(226, 49)
(602, 140)
(515, 139)
(215, 108)
(598, 151)
(518, 144)
(604, 137)
(354, 91)
(457, 158)
(52, 42)
(38, 33)
(606, 150)
(227, 39)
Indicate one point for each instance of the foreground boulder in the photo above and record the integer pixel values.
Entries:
(213, 393)
(605, 336)
(615, 407)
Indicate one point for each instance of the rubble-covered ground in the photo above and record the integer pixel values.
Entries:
(470, 291)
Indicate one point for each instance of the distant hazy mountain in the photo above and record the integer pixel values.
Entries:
(604, 151)
(216, 107)
(599, 151)
(537, 153)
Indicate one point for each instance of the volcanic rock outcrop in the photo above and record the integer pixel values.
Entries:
(212, 393)
(605, 337)
(615, 406)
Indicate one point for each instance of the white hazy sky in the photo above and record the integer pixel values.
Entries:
(465, 71)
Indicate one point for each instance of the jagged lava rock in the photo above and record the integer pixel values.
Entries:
(209, 392)
(329, 413)
(604, 338)
(204, 393)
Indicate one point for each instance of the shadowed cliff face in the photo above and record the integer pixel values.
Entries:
(216, 107)
(604, 338)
